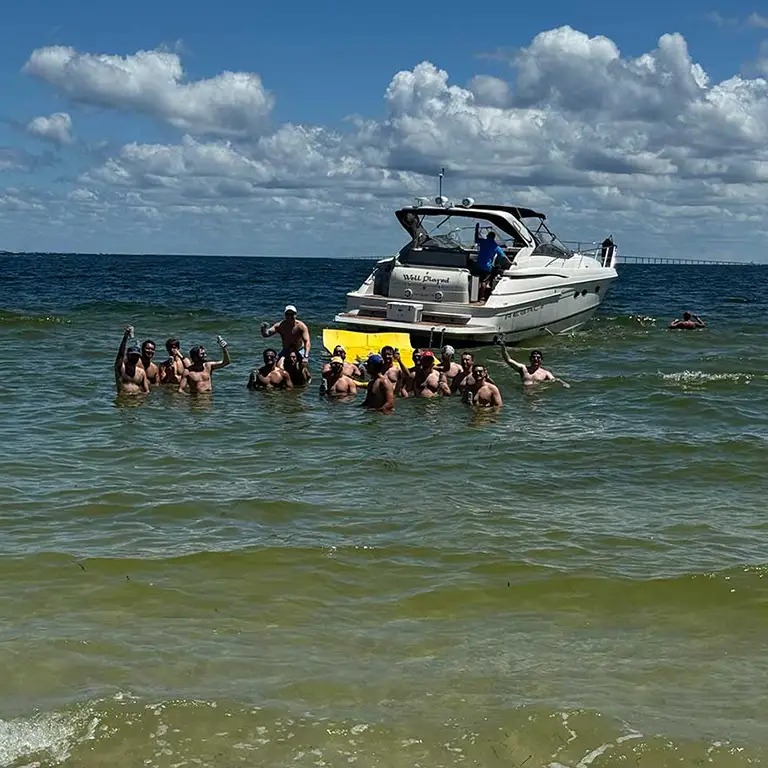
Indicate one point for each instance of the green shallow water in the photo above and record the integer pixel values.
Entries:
(255, 579)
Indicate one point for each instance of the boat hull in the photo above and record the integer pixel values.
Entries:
(540, 313)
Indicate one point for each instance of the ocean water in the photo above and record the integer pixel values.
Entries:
(259, 579)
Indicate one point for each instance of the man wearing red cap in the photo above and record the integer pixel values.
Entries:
(427, 380)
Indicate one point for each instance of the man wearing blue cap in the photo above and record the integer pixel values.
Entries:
(130, 376)
(380, 395)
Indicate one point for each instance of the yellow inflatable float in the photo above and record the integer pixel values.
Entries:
(359, 345)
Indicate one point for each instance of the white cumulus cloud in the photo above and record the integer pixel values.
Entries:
(648, 147)
(153, 83)
(56, 128)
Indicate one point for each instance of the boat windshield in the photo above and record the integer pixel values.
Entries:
(458, 233)
(548, 243)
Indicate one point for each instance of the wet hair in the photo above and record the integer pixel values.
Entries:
(148, 341)
(194, 353)
(387, 348)
(537, 352)
(171, 344)
(686, 315)
(269, 351)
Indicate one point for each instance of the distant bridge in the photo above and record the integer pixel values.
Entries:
(623, 259)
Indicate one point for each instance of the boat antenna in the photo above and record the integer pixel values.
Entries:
(440, 182)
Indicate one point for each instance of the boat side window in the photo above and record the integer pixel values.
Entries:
(552, 251)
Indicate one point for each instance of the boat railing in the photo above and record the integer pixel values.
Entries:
(605, 254)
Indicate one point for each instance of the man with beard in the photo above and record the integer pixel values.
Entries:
(482, 393)
(533, 373)
(198, 377)
(336, 383)
(130, 376)
(269, 376)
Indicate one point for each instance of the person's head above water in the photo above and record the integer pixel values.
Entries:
(427, 358)
(339, 351)
(387, 353)
(686, 315)
(478, 372)
(374, 363)
(290, 312)
(197, 354)
(148, 348)
(172, 344)
(447, 352)
(337, 364)
(270, 356)
(467, 360)
(133, 354)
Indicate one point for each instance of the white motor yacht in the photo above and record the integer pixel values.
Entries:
(431, 290)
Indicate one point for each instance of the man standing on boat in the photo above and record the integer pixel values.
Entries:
(488, 251)
(533, 372)
(293, 332)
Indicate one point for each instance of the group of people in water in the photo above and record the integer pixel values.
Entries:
(384, 375)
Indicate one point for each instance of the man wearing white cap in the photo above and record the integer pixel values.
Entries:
(447, 366)
(293, 332)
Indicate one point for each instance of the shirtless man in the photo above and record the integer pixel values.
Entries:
(152, 369)
(688, 323)
(293, 332)
(297, 368)
(350, 369)
(381, 394)
(395, 370)
(337, 383)
(269, 376)
(172, 369)
(427, 380)
(447, 366)
(482, 393)
(199, 374)
(130, 376)
(463, 378)
(532, 373)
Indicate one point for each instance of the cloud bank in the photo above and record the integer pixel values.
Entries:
(649, 148)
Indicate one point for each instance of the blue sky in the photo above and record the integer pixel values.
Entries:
(79, 188)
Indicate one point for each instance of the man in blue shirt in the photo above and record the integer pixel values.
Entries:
(487, 251)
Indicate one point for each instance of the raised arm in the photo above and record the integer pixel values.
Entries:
(699, 322)
(477, 232)
(221, 363)
(267, 331)
(505, 356)
(120, 359)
